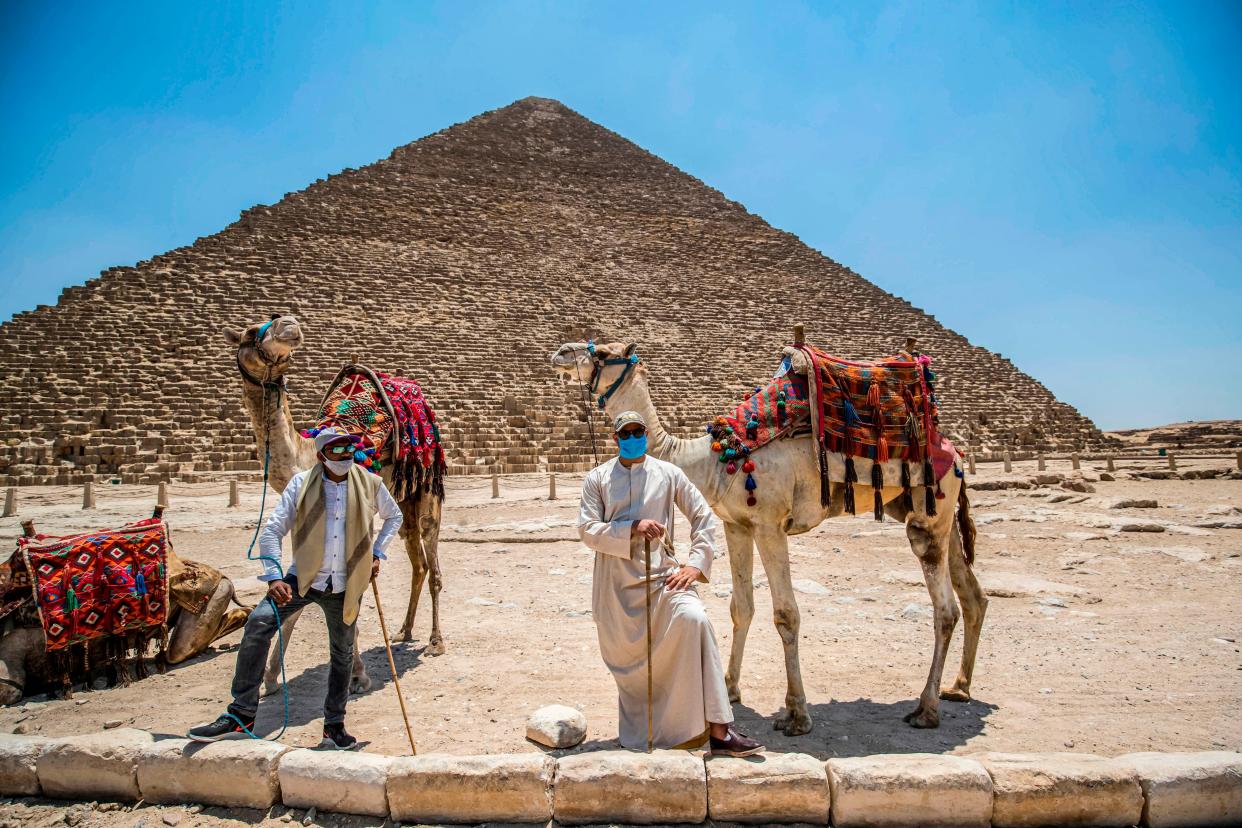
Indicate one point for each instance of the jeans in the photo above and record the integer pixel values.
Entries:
(257, 640)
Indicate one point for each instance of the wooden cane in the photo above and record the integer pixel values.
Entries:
(392, 665)
(647, 569)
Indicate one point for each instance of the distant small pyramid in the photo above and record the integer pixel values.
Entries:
(464, 259)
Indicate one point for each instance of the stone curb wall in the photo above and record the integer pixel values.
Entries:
(988, 789)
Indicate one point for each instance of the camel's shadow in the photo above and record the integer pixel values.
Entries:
(307, 689)
(861, 727)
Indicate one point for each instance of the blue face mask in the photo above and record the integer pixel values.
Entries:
(633, 448)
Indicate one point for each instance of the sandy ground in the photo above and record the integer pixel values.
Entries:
(1096, 640)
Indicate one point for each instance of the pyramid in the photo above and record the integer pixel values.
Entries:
(463, 260)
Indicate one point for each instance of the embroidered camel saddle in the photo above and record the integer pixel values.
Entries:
(881, 415)
(394, 426)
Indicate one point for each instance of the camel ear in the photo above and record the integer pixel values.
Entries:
(609, 350)
(629, 349)
(233, 337)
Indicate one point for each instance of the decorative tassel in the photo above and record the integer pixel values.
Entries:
(750, 501)
(907, 497)
(748, 466)
(825, 486)
(751, 485)
(929, 488)
(731, 468)
(851, 477)
(140, 583)
(877, 486)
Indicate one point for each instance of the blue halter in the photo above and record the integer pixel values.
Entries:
(629, 363)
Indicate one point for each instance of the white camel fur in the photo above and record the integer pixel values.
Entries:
(262, 363)
(790, 504)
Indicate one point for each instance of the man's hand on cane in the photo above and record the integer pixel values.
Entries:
(375, 566)
(649, 529)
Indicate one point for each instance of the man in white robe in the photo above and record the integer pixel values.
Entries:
(626, 501)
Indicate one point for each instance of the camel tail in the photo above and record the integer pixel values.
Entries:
(966, 525)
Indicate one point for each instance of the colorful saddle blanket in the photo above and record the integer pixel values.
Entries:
(880, 411)
(394, 424)
(113, 582)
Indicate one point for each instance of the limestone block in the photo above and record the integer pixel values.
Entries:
(1070, 789)
(1189, 788)
(93, 765)
(556, 726)
(501, 788)
(923, 789)
(18, 758)
(233, 773)
(622, 786)
(777, 787)
(348, 783)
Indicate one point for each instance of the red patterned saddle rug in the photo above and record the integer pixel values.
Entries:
(112, 583)
(394, 424)
(879, 411)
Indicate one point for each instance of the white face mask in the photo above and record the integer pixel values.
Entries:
(339, 467)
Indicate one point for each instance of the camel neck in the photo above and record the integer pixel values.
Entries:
(287, 452)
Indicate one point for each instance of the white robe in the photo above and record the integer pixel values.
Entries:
(689, 687)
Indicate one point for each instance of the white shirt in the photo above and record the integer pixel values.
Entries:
(333, 570)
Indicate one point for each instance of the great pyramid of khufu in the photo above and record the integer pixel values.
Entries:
(463, 260)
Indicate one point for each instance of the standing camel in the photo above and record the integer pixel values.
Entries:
(791, 505)
(264, 351)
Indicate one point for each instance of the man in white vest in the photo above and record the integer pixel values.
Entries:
(336, 552)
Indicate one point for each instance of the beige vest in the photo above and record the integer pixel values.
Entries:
(308, 533)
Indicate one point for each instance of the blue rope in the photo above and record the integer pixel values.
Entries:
(250, 556)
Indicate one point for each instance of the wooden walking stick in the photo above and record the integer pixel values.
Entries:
(647, 583)
(392, 665)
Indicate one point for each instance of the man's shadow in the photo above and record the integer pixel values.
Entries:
(307, 689)
(861, 727)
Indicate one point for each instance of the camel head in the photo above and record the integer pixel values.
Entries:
(265, 348)
(599, 367)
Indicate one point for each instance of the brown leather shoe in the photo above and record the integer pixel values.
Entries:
(735, 744)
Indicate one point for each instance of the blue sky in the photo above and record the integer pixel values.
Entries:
(1061, 183)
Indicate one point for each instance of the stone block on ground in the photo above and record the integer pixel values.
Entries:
(666, 786)
(556, 726)
(1185, 789)
(501, 788)
(19, 756)
(347, 783)
(776, 787)
(922, 789)
(93, 765)
(1062, 789)
(233, 773)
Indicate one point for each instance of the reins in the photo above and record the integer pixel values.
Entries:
(591, 387)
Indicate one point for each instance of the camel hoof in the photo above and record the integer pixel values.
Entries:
(435, 647)
(360, 684)
(922, 719)
(406, 635)
(798, 725)
(955, 694)
(735, 697)
(269, 689)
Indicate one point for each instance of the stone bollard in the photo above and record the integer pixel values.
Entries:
(1239, 459)
(495, 485)
(1075, 461)
(971, 458)
(88, 496)
(1043, 464)
(10, 501)
(1008, 462)
(1172, 462)
(234, 495)
(551, 487)
(1111, 466)
(161, 495)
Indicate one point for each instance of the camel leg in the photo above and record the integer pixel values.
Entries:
(974, 605)
(359, 681)
(774, 551)
(271, 676)
(412, 537)
(429, 528)
(15, 648)
(929, 541)
(194, 633)
(742, 605)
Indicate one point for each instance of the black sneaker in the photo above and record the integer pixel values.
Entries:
(735, 744)
(227, 726)
(335, 738)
